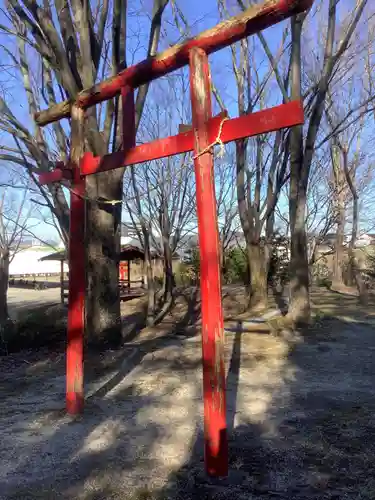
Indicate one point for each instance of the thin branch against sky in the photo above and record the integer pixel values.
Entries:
(198, 16)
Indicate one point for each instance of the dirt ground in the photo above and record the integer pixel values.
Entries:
(301, 412)
(21, 300)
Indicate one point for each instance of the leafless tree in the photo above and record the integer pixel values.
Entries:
(226, 202)
(320, 64)
(351, 168)
(72, 45)
(302, 150)
(159, 195)
(261, 162)
(339, 195)
(356, 174)
(320, 209)
(15, 215)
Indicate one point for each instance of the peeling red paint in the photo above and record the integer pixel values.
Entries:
(216, 444)
(261, 122)
(77, 286)
(128, 118)
(59, 174)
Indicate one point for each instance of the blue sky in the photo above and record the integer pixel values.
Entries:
(199, 14)
(199, 19)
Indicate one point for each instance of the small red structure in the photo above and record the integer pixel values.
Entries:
(130, 288)
(204, 134)
(124, 271)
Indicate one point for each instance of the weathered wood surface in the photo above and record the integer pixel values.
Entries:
(261, 122)
(77, 273)
(254, 19)
(215, 427)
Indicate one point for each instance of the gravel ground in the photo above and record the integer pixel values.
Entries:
(21, 300)
(300, 415)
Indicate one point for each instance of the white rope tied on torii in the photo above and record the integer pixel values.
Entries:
(217, 141)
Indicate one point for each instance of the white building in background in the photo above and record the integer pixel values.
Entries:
(27, 261)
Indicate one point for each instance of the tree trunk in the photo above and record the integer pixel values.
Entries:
(103, 223)
(299, 307)
(242, 204)
(5, 323)
(4, 279)
(339, 249)
(338, 173)
(353, 265)
(168, 284)
(150, 278)
(168, 272)
(168, 280)
(258, 264)
(222, 256)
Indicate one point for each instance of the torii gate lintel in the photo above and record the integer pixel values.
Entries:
(260, 122)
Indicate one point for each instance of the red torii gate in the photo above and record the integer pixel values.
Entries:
(204, 134)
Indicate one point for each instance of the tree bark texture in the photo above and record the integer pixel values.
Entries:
(302, 155)
(103, 228)
(4, 279)
(72, 42)
(168, 272)
(299, 307)
(353, 264)
(258, 263)
(150, 277)
(339, 193)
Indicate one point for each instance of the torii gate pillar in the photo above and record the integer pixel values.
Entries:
(215, 427)
(76, 304)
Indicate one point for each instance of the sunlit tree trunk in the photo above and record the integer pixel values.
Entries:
(339, 193)
(4, 280)
(299, 307)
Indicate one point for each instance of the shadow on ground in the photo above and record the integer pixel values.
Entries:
(333, 304)
(313, 440)
(300, 421)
